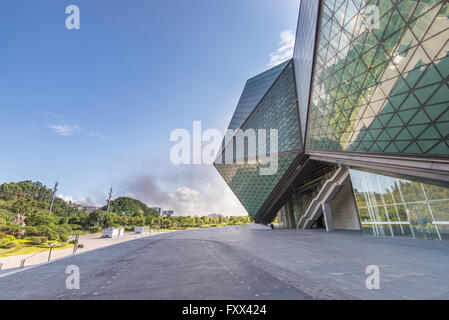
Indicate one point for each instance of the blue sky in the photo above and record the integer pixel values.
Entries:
(95, 107)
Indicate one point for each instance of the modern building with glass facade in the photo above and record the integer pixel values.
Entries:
(362, 120)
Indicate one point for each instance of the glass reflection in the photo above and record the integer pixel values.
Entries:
(396, 207)
(381, 90)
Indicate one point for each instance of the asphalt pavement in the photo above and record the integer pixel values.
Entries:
(241, 262)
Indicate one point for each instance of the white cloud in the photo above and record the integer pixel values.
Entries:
(189, 201)
(285, 50)
(61, 125)
(200, 191)
(64, 129)
(80, 201)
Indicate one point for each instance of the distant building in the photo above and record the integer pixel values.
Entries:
(168, 213)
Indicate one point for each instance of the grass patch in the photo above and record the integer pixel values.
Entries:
(26, 246)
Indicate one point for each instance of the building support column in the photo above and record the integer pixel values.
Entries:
(327, 212)
(291, 214)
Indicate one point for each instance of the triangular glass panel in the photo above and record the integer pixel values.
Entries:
(413, 148)
(407, 115)
(425, 145)
(440, 149)
(430, 133)
(417, 129)
(441, 95)
(419, 118)
(423, 94)
(410, 103)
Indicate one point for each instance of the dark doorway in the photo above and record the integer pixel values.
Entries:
(320, 223)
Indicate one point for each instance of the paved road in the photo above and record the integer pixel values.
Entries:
(241, 263)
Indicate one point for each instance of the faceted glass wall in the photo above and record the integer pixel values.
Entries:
(396, 207)
(253, 92)
(303, 56)
(381, 87)
(250, 187)
(277, 110)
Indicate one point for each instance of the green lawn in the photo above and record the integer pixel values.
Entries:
(27, 247)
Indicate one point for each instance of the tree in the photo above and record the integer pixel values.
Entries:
(40, 218)
(133, 206)
(97, 219)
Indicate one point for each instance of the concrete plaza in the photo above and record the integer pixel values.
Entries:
(244, 262)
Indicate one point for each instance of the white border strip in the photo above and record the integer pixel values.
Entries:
(386, 223)
(444, 223)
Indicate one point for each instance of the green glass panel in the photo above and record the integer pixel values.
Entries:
(250, 187)
(383, 71)
(404, 135)
(401, 145)
(417, 130)
(393, 131)
(430, 77)
(413, 148)
(427, 144)
(420, 117)
(424, 94)
(409, 103)
(436, 110)
(445, 116)
(441, 148)
(441, 95)
(430, 133)
(443, 128)
(407, 115)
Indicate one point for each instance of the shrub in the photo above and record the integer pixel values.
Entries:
(12, 229)
(10, 245)
(48, 231)
(64, 232)
(39, 240)
(40, 219)
(35, 240)
(6, 240)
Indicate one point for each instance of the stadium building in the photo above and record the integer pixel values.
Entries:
(362, 120)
